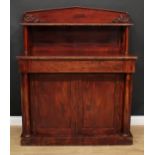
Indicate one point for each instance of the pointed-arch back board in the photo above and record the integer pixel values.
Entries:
(76, 16)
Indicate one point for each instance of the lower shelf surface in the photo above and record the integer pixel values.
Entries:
(115, 139)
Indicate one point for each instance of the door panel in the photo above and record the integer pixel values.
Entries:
(97, 103)
(52, 111)
(101, 99)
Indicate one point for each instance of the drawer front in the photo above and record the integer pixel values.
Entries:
(49, 65)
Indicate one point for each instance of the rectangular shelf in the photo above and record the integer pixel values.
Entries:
(76, 24)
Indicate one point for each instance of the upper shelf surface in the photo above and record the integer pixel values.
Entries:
(76, 16)
(129, 57)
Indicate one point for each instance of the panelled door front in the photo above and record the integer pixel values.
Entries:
(53, 112)
(76, 104)
(101, 101)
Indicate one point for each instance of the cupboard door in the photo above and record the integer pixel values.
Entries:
(76, 104)
(52, 111)
(101, 104)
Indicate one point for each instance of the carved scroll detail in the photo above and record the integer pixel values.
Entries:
(31, 19)
(122, 19)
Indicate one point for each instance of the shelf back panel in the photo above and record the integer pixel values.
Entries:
(75, 41)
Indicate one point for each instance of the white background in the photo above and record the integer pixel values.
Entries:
(149, 69)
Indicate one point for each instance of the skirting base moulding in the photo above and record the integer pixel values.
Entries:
(135, 120)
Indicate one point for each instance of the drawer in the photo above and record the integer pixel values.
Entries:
(34, 64)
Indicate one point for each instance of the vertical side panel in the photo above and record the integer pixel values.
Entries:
(25, 105)
(127, 104)
(126, 40)
(25, 31)
(118, 109)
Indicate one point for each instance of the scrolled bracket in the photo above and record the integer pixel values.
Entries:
(122, 19)
(28, 18)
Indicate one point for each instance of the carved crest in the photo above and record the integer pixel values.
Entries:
(31, 18)
(122, 18)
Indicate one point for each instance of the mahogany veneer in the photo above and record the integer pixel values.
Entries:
(76, 77)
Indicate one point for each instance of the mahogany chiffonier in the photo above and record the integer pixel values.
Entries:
(76, 77)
